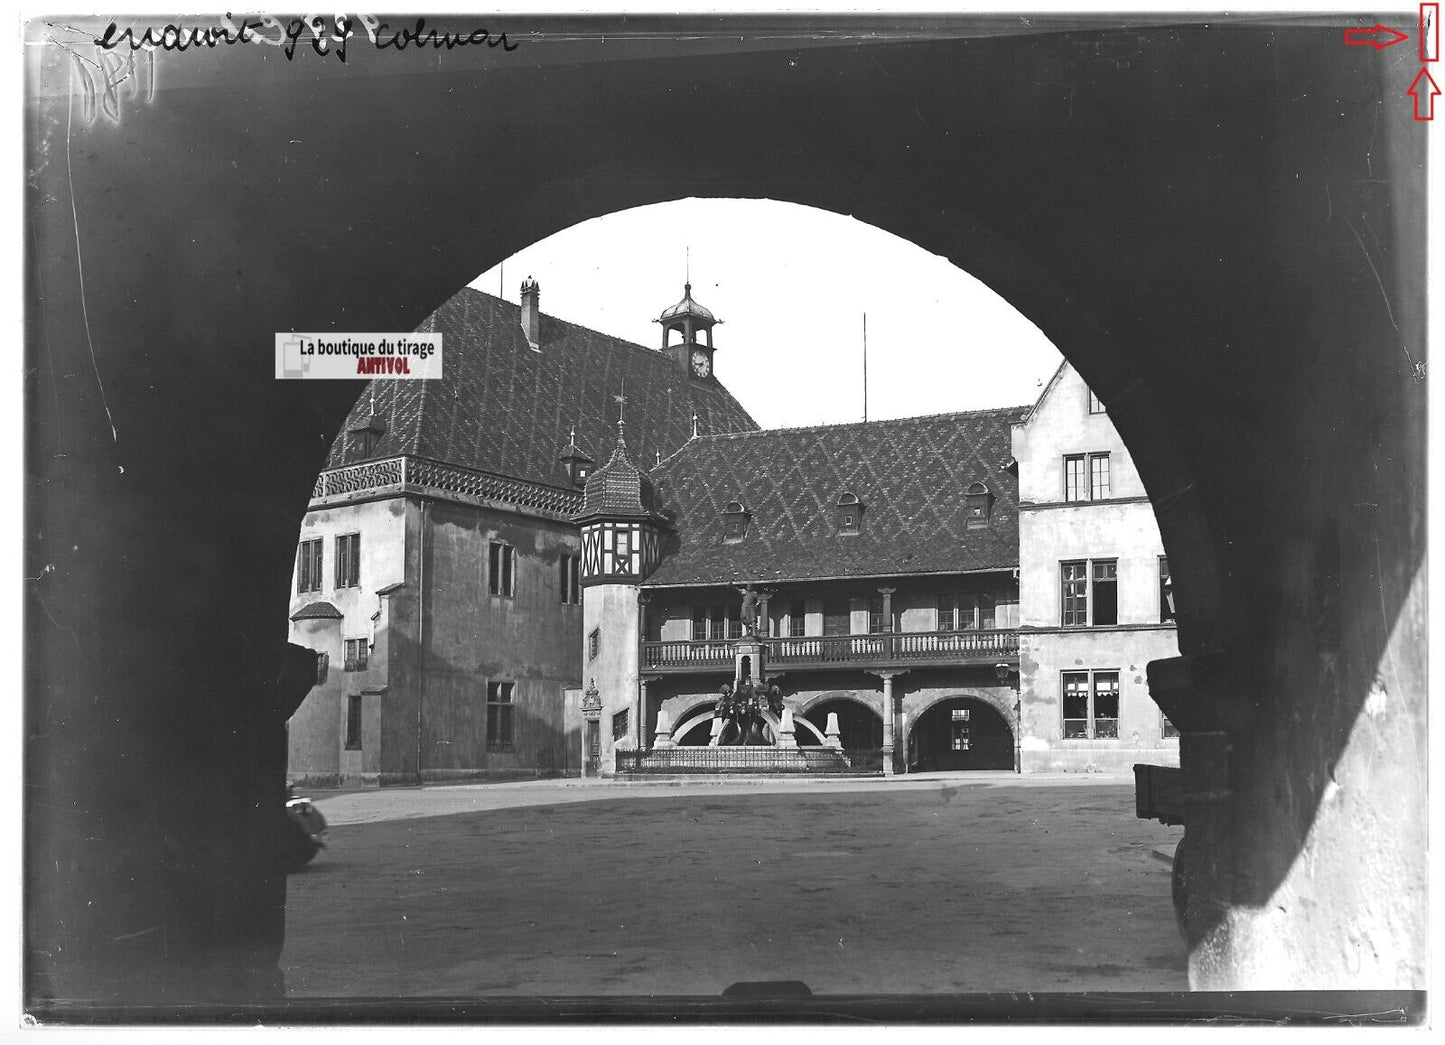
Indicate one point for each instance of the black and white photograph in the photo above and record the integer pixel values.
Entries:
(812, 518)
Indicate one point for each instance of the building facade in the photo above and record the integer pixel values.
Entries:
(882, 558)
(1094, 598)
(978, 590)
(439, 567)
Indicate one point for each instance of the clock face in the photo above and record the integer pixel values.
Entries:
(701, 364)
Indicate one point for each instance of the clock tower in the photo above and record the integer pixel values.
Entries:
(687, 336)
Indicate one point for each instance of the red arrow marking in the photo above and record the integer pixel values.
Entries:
(1424, 96)
(1371, 37)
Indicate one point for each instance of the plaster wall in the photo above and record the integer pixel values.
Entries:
(613, 610)
(1061, 424)
(1124, 532)
(1042, 660)
(472, 638)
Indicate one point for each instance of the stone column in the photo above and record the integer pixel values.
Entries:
(887, 594)
(887, 677)
(765, 624)
(891, 739)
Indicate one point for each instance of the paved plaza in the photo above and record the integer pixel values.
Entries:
(917, 885)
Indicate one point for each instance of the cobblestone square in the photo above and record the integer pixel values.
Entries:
(919, 886)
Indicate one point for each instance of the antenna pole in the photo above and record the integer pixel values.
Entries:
(865, 367)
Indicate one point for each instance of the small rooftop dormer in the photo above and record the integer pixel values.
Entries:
(687, 335)
(735, 522)
(849, 515)
(575, 461)
(978, 500)
(367, 434)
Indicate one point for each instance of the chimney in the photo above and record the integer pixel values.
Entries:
(531, 314)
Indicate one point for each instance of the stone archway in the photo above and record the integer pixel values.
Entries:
(860, 724)
(1301, 611)
(962, 732)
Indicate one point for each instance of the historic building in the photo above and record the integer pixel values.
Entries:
(573, 552)
(439, 564)
(1094, 598)
(883, 557)
(964, 591)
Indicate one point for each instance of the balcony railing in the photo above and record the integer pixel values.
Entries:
(903, 647)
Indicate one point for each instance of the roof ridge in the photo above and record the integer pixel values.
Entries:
(987, 411)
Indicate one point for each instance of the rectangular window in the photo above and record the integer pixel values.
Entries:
(308, 566)
(570, 570)
(1166, 592)
(500, 580)
(619, 725)
(1076, 705)
(1074, 593)
(594, 643)
(1098, 477)
(837, 618)
(499, 716)
(1074, 486)
(348, 560)
(356, 651)
(353, 723)
(986, 614)
(1105, 593)
(699, 624)
(1091, 705)
(1086, 477)
(947, 613)
(717, 626)
(797, 619)
(1089, 593)
(1095, 407)
(1106, 705)
(735, 623)
(875, 615)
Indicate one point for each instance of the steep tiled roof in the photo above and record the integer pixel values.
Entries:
(911, 476)
(317, 611)
(619, 486)
(504, 408)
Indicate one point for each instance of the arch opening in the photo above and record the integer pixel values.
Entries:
(960, 733)
(859, 726)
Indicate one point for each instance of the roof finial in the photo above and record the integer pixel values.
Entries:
(659, 456)
(694, 424)
(621, 398)
(687, 267)
(572, 436)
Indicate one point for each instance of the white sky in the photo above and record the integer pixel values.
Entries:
(791, 285)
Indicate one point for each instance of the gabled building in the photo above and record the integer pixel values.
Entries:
(1094, 596)
(439, 566)
(884, 557)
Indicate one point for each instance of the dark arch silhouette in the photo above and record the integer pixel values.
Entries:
(1220, 229)
(859, 724)
(960, 733)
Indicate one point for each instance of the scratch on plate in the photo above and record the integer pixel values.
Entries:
(80, 270)
(1378, 281)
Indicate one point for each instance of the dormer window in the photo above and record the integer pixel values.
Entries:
(849, 513)
(366, 434)
(735, 522)
(979, 506)
(577, 464)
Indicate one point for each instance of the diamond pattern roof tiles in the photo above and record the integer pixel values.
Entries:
(911, 475)
(505, 408)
